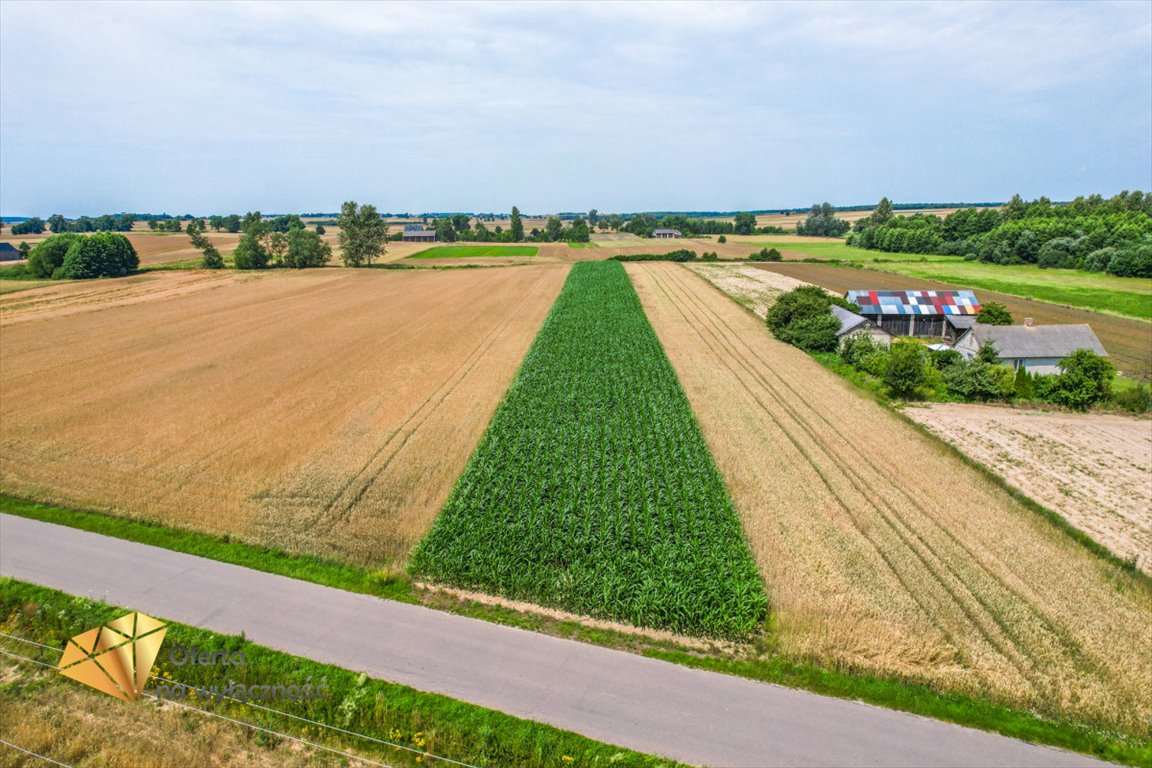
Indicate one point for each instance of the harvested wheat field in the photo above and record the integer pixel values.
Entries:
(1094, 469)
(754, 289)
(322, 411)
(880, 549)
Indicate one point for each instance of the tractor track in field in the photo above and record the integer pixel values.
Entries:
(999, 607)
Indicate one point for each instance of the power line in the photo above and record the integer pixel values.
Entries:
(288, 714)
(244, 723)
(34, 754)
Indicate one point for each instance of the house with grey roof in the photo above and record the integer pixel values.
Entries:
(417, 234)
(665, 233)
(1038, 348)
(852, 324)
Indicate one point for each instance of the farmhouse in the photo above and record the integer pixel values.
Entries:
(916, 313)
(852, 324)
(665, 233)
(1038, 348)
(9, 253)
(414, 233)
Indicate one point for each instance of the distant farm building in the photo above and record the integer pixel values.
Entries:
(414, 233)
(940, 314)
(665, 233)
(852, 324)
(1038, 348)
(9, 253)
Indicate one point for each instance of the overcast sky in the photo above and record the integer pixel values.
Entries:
(641, 106)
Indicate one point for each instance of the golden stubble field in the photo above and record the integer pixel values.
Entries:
(322, 411)
(881, 550)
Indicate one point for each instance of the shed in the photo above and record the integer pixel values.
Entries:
(914, 313)
(665, 233)
(1038, 348)
(852, 324)
(9, 252)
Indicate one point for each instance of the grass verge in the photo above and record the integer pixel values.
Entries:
(423, 722)
(746, 661)
(470, 251)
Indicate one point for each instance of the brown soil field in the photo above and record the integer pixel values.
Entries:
(881, 550)
(1094, 469)
(324, 411)
(1128, 341)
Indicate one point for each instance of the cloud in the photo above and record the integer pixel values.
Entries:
(627, 105)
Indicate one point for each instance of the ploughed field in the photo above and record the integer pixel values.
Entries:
(881, 551)
(323, 411)
(1128, 341)
(593, 490)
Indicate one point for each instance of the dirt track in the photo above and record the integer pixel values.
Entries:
(882, 551)
(1129, 342)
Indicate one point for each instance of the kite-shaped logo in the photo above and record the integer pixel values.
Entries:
(117, 657)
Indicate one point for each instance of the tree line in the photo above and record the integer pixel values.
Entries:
(1111, 235)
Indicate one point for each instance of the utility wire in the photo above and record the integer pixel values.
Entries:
(34, 754)
(287, 714)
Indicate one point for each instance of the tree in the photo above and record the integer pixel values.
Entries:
(231, 223)
(1131, 262)
(216, 222)
(320, 229)
(822, 222)
(615, 222)
(306, 249)
(578, 232)
(904, 374)
(1085, 379)
(57, 223)
(363, 234)
(802, 317)
(593, 218)
(744, 223)
(285, 223)
(24, 249)
(883, 213)
(516, 226)
(277, 245)
(766, 254)
(33, 226)
(722, 240)
(104, 254)
(445, 232)
(212, 258)
(980, 380)
(554, 229)
(48, 255)
(250, 252)
(994, 313)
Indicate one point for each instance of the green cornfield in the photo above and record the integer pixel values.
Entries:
(593, 490)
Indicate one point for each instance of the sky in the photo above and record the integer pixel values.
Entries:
(216, 108)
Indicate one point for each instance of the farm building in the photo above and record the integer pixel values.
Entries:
(916, 313)
(8, 252)
(852, 324)
(665, 233)
(1039, 348)
(417, 234)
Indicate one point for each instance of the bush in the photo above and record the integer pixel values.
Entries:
(722, 240)
(1024, 388)
(1098, 260)
(766, 254)
(1059, 253)
(709, 256)
(858, 346)
(994, 313)
(1085, 379)
(812, 334)
(250, 253)
(104, 254)
(981, 381)
(904, 374)
(681, 255)
(1138, 399)
(943, 359)
(1132, 262)
(306, 249)
(48, 256)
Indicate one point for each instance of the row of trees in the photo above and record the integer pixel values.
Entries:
(1111, 235)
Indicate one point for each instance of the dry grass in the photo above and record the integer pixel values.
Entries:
(882, 551)
(1094, 469)
(43, 713)
(754, 289)
(326, 411)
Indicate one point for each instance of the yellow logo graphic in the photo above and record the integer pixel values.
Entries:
(117, 657)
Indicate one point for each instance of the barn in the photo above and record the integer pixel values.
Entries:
(917, 313)
(417, 234)
(9, 253)
(665, 233)
(852, 324)
(1038, 348)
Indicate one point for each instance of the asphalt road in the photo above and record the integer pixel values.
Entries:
(650, 706)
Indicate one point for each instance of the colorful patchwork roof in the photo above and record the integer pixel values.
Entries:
(915, 302)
